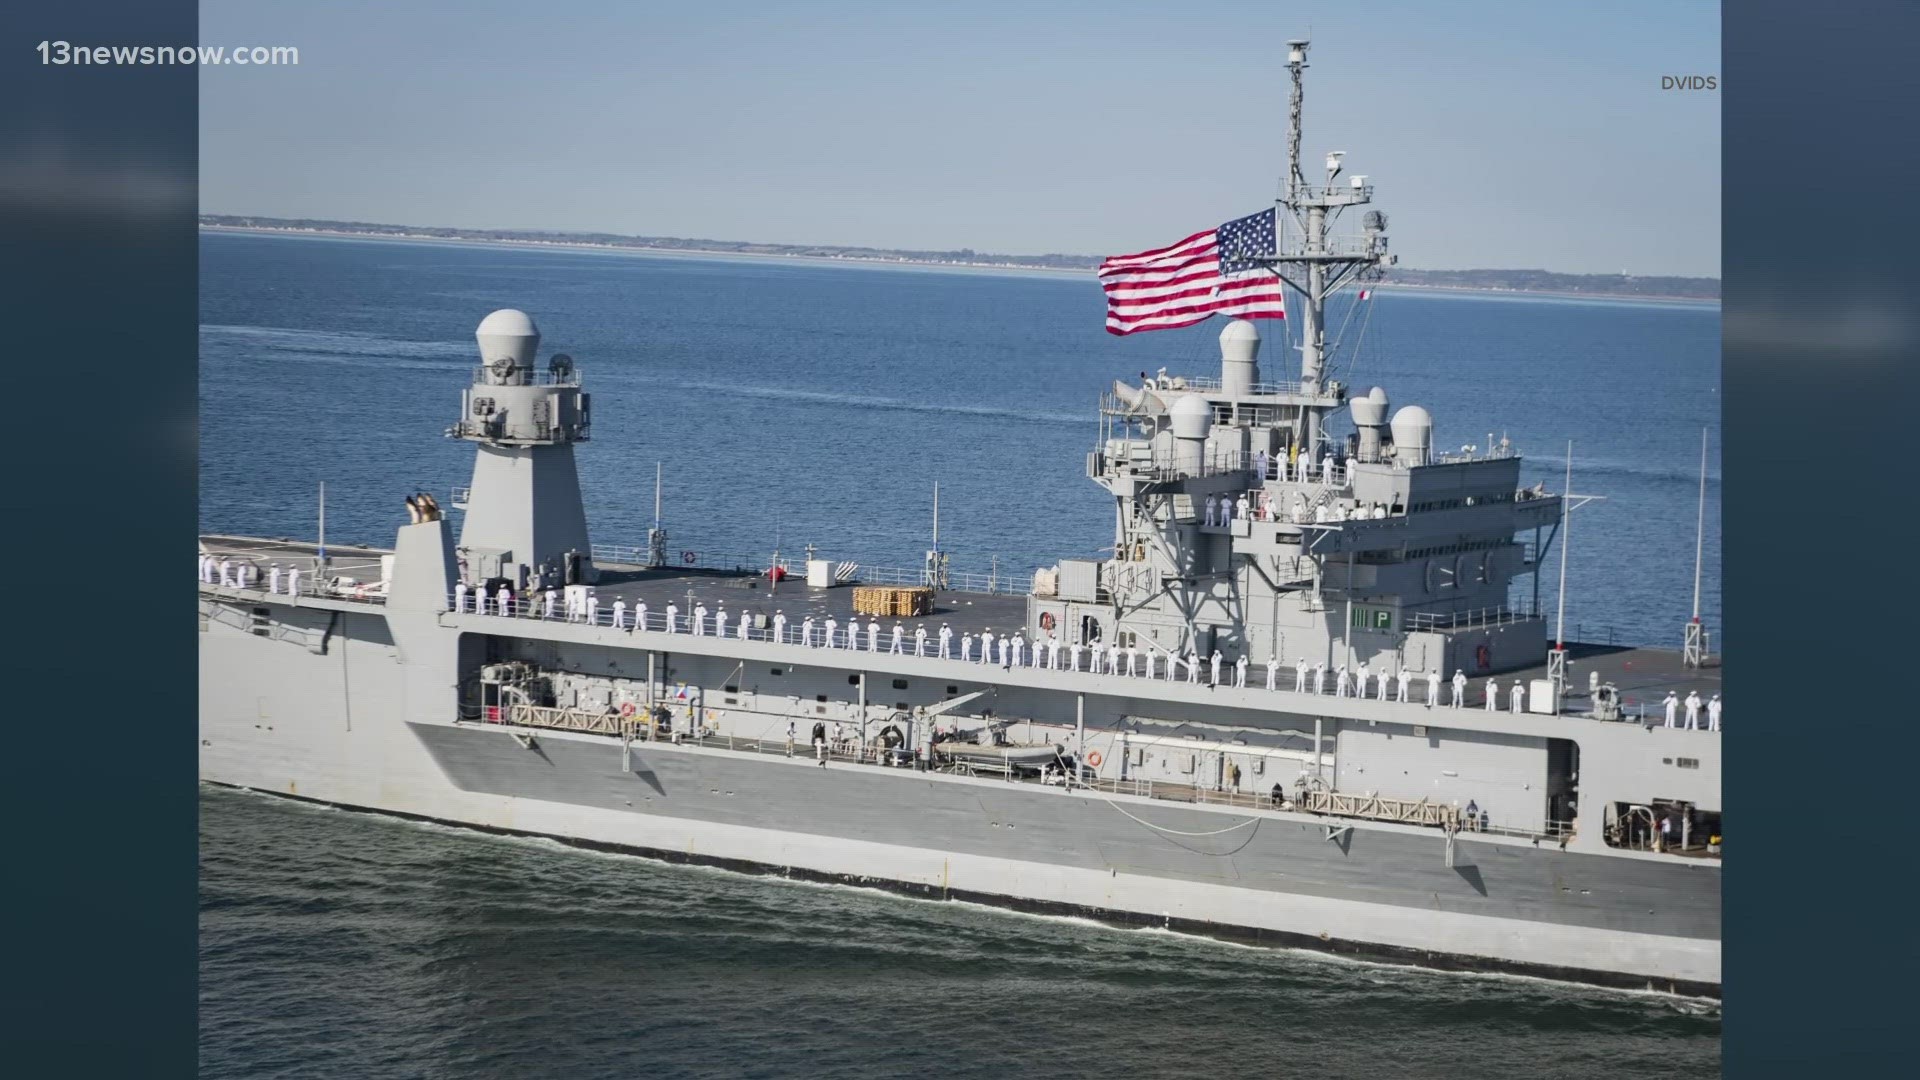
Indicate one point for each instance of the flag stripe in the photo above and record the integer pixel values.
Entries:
(1190, 281)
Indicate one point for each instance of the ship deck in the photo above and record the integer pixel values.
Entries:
(1642, 675)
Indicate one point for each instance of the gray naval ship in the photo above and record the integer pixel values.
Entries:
(1299, 705)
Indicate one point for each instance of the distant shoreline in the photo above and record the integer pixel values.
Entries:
(876, 261)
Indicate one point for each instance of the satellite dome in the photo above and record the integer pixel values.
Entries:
(1412, 434)
(1192, 416)
(1378, 394)
(508, 334)
(1239, 341)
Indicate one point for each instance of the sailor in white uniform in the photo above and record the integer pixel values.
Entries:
(1673, 708)
(780, 627)
(1053, 652)
(1459, 688)
(1132, 653)
(1493, 694)
(1213, 510)
(593, 609)
(460, 598)
(946, 641)
(506, 600)
(1433, 688)
(1193, 665)
(226, 573)
(919, 641)
(873, 635)
(699, 620)
(640, 615)
(1402, 681)
(1342, 681)
(1362, 678)
(1015, 649)
(1273, 667)
(833, 633)
(899, 635)
(673, 618)
(1240, 507)
(1693, 710)
(1073, 656)
(745, 622)
(1381, 681)
(1518, 698)
(619, 614)
(806, 631)
(1226, 511)
(1713, 713)
(1326, 469)
(1593, 682)
(1320, 677)
(273, 578)
(1240, 672)
(1300, 675)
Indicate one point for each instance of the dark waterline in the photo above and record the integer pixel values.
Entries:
(347, 944)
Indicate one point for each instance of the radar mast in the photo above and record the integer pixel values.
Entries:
(1316, 266)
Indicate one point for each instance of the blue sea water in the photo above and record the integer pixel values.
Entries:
(797, 403)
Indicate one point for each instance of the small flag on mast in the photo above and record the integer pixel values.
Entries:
(1217, 271)
(1366, 294)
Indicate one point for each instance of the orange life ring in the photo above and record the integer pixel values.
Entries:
(1046, 620)
(1094, 759)
(626, 709)
(1483, 656)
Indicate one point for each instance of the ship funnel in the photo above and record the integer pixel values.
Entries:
(1412, 435)
(508, 340)
(1369, 416)
(1192, 417)
(1239, 348)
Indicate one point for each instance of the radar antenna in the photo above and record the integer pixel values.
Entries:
(1316, 267)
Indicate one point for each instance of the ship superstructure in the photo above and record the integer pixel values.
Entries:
(1249, 721)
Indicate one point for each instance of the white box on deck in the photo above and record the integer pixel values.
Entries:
(1079, 580)
(1540, 697)
(386, 569)
(819, 574)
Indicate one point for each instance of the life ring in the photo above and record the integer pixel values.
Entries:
(1046, 620)
(1482, 656)
(689, 557)
(626, 709)
(1094, 759)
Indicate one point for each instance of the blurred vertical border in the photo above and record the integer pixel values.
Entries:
(98, 173)
(1820, 339)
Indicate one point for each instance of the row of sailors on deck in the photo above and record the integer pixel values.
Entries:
(1693, 705)
(1222, 510)
(1295, 467)
(1014, 650)
(228, 574)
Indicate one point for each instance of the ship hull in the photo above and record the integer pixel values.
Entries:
(356, 720)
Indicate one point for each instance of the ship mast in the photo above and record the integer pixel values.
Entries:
(1318, 267)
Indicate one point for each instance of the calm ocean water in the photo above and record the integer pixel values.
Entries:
(792, 404)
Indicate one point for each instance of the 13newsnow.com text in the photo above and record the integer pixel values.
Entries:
(71, 55)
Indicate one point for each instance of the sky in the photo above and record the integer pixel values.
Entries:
(1509, 134)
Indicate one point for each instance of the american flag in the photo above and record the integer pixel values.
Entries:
(1184, 283)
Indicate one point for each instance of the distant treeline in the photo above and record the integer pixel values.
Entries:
(1514, 280)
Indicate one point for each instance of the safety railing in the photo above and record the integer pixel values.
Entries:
(532, 377)
(349, 577)
(1478, 618)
